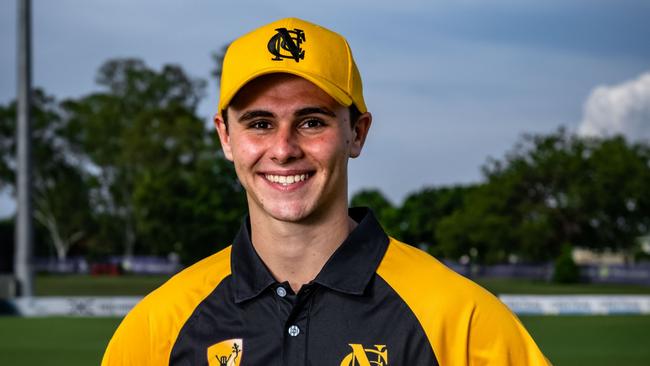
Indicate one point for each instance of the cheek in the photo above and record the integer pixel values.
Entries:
(329, 150)
(245, 152)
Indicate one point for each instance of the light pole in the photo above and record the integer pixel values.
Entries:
(24, 225)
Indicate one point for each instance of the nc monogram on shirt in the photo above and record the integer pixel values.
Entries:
(230, 353)
(376, 302)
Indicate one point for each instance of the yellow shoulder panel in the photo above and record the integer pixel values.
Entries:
(465, 324)
(148, 333)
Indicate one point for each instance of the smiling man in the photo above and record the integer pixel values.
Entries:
(308, 281)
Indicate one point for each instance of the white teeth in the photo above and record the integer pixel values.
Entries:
(286, 179)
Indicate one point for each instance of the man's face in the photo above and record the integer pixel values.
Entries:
(290, 143)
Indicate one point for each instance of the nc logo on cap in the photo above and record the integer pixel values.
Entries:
(286, 44)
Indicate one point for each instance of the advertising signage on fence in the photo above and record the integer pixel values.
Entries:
(577, 304)
(520, 304)
(74, 306)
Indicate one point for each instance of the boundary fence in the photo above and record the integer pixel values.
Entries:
(637, 274)
(519, 304)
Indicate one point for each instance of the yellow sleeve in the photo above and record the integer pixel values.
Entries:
(497, 337)
(465, 324)
(147, 334)
(132, 342)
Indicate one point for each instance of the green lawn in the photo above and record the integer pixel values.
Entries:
(54, 341)
(569, 341)
(85, 285)
(592, 340)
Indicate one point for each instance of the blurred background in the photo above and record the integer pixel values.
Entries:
(511, 139)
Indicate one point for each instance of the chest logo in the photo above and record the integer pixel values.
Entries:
(360, 356)
(226, 353)
(286, 44)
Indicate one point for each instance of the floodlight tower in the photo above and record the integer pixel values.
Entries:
(24, 224)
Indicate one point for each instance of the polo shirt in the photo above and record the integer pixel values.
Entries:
(376, 301)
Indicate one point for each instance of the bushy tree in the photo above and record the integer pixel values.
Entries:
(565, 269)
(554, 189)
(422, 211)
(384, 210)
(162, 181)
(60, 184)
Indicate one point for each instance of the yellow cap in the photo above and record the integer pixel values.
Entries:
(296, 47)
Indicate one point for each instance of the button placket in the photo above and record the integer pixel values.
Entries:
(296, 327)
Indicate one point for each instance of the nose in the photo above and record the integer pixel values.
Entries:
(285, 146)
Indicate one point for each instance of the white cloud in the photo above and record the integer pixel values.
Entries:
(619, 109)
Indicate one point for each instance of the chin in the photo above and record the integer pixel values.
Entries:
(289, 213)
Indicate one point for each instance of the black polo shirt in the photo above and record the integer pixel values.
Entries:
(367, 306)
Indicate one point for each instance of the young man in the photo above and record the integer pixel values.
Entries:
(307, 281)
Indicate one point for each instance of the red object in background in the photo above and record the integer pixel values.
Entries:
(110, 269)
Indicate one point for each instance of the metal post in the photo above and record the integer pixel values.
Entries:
(24, 226)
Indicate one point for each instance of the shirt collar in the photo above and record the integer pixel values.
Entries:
(348, 270)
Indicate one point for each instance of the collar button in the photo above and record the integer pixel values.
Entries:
(294, 330)
(280, 291)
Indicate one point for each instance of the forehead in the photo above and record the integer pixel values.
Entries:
(281, 91)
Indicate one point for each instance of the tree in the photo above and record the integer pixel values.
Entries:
(422, 211)
(551, 190)
(618, 196)
(384, 210)
(479, 228)
(162, 181)
(565, 269)
(60, 184)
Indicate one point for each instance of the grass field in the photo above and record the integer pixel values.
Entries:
(54, 341)
(566, 340)
(592, 340)
(83, 285)
(141, 285)
(570, 341)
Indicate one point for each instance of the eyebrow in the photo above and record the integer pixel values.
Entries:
(314, 110)
(255, 114)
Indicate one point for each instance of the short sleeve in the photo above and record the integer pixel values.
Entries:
(131, 343)
(497, 337)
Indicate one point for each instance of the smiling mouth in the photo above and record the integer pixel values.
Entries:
(286, 180)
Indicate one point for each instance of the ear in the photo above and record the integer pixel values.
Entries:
(359, 134)
(224, 137)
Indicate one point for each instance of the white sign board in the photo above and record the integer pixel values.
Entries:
(519, 304)
(75, 306)
(577, 304)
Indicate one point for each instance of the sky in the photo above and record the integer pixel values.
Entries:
(449, 83)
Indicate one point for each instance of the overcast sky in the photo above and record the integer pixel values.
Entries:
(449, 83)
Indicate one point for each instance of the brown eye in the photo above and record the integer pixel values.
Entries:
(313, 123)
(260, 125)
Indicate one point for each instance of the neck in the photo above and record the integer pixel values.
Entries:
(296, 252)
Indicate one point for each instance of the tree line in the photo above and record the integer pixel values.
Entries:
(550, 193)
(130, 169)
(133, 169)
